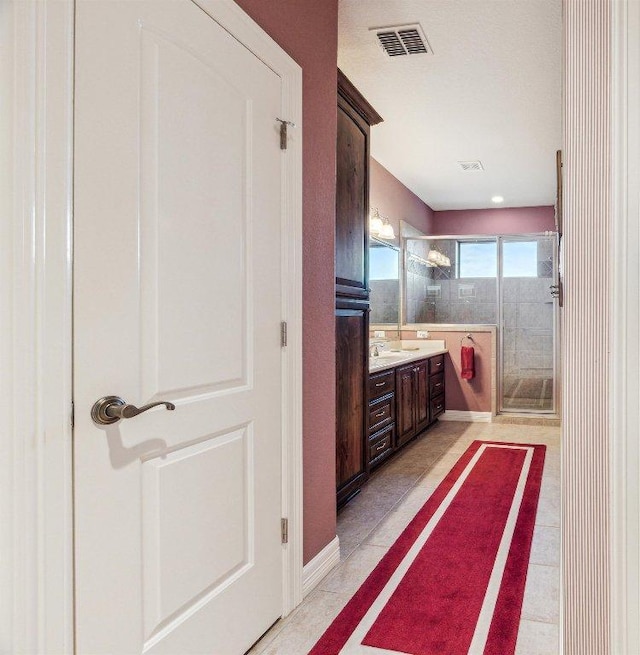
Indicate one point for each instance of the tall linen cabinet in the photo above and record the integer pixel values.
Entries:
(355, 117)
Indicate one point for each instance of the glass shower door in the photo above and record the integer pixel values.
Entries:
(527, 270)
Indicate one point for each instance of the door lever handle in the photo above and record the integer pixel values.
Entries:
(111, 409)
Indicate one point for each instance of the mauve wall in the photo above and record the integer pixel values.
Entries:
(466, 395)
(308, 31)
(507, 220)
(396, 202)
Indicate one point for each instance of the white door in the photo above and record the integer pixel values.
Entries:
(177, 298)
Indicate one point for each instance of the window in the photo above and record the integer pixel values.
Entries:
(477, 259)
(519, 259)
(383, 262)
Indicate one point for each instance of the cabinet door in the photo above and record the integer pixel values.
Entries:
(352, 205)
(421, 396)
(351, 400)
(405, 391)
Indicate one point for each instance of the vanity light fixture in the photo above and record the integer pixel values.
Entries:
(497, 199)
(387, 231)
(375, 223)
(380, 227)
(437, 258)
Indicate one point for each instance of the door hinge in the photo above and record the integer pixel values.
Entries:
(283, 334)
(283, 132)
(557, 291)
(284, 530)
(73, 415)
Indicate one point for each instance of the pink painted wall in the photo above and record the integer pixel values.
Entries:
(396, 202)
(308, 31)
(465, 395)
(504, 220)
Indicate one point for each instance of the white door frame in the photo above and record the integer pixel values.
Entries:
(36, 185)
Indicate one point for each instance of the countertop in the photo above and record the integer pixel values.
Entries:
(398, 354)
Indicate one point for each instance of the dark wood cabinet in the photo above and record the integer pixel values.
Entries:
(355, 116)
(382, 417)
(413, 400)
(405, 394)
(423, 417)
(403, 402)
(352, 335)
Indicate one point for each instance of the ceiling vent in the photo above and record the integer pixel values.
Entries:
(402, 40)
(471, 166)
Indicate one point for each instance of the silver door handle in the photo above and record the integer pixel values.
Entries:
(110, 409)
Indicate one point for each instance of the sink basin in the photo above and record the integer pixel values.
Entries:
(384, 359)
(390, 355)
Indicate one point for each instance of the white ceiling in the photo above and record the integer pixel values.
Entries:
(491, 91)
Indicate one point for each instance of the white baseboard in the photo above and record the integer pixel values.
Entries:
(470, 417)
(319, 566)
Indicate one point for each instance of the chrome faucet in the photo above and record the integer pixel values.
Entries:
(373, 350)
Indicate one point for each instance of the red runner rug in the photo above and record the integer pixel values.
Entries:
(454, 580)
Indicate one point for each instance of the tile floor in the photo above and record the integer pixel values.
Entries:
(372, 521)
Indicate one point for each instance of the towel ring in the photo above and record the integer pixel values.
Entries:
(466, 336)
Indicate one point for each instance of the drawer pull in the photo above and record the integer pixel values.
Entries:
(379, 414)
(381, 446)
(380, 384)
(439, 364)
(438, 406)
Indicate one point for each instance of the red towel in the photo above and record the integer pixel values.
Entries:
(467, 360)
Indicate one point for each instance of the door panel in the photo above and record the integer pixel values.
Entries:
(181, 283)
(528, 311)
(351, 399)
(422, 397)
(176, 298)
(351, 203)
(405, 390)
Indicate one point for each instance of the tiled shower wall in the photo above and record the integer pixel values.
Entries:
(385, 301)
(434, 295)
(528, 320)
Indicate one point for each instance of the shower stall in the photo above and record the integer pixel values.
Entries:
(506, 281)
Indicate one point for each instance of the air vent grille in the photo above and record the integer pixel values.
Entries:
(402, 40)
(412, 41)
(471, 166)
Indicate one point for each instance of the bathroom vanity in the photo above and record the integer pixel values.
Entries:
(406, 396)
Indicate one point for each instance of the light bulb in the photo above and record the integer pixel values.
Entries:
(375, 225)
(387, 231)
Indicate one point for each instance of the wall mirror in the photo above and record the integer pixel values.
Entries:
(384, 281)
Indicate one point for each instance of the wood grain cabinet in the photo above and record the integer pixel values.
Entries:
(355, 116)
(413, 400)
(352, 336)
(382, 417)
(403, 402)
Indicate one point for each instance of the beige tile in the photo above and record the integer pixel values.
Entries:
(388, 531)
(542, 594)
(536, 638)
(352, 572)
(549, 506)
(545, 548)
(298, 633)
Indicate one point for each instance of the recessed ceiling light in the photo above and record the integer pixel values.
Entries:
(497, 199)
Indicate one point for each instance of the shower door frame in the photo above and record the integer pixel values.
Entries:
(499, 325)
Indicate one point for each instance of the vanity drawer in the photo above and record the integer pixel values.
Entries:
(381, 384)
(381, 444)
(436, 364)
(382, 411)
(437, 406)
(436, 385)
